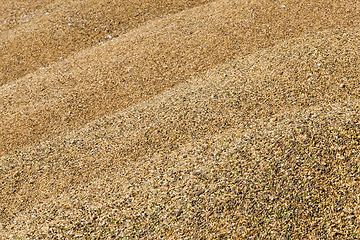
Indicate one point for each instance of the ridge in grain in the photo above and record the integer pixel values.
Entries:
(179, 119)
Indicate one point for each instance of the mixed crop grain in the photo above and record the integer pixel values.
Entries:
(170, 132)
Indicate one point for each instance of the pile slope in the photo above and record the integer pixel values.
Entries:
(266, 146)
(147, 60)
(33, 29)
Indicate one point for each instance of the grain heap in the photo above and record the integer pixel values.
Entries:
(219, 119)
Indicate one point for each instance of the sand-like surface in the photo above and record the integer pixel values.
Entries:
(179, 120)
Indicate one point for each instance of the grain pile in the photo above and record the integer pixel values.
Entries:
(253, 138)
(148, 60)
(33, 29)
